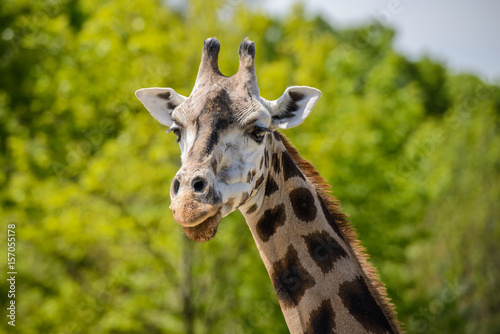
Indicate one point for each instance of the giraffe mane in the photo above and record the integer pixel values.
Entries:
(374, 283)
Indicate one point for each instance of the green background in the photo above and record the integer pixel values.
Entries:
(411, 149)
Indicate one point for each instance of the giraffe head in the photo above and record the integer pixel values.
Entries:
(223, 129)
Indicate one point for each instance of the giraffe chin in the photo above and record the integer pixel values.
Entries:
(205, 230)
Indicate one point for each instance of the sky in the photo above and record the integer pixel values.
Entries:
(462, 34)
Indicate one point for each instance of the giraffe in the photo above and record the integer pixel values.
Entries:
(233, 158)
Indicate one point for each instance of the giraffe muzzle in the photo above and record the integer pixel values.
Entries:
(198, 220)
(193, 198)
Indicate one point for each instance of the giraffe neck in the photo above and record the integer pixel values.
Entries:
(318, 278)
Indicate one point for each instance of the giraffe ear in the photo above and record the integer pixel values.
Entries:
(293, 106)
(160, 102)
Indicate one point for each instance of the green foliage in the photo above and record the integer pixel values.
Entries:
(411, 150)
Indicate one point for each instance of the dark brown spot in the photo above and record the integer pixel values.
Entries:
(275, 163)
(249, 177)
(220, 124)
(288, 111)
(329, 218)
(291, 105)
(276, 135)
(357, 298)
(164, 95)
(216, 116)
(171, 105)
(211, 195)
(266, 159)
(324, 250)
(259, 181)
(296, 96)
(261, 163)
(213, 139)
(244, 198)
(252, 209)
(230, 202)
(271, 186)
(322, 319)
(303, 204)
(198, 127)
(290, 279)
(289, 167)
(215, 163)
(270, 221)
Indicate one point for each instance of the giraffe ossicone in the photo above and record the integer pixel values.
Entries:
(234, 158)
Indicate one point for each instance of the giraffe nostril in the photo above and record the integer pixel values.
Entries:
(198, 185)
(175, 187)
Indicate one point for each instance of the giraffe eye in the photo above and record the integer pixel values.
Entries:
(177, 131)
(258, 133)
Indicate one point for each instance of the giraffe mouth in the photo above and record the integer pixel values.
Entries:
(205, 230)
(198, 220)
(189, 212)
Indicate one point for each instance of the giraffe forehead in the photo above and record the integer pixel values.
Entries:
(214, 104)
(220, 104)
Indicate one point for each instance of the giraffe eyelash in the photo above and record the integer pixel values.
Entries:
(258, 133)
(176, 130)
